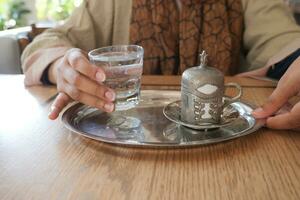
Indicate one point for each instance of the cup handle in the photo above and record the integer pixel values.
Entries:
(229, 100)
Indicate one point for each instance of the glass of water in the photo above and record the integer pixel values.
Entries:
(123, 66)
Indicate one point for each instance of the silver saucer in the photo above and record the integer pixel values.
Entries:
(146, 125)
(172, 112)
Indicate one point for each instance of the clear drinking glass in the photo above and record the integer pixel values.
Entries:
(123, 65)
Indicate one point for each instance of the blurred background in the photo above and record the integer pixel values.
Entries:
(22, 20)
(20, 13)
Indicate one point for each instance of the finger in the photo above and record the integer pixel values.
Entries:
(280, 96)
(255, 73)
(86, 85)
(289, 120)
(284, 109)
(59, 103)
(88, 99)
(272, 105)
(283, 122)
(78, 61)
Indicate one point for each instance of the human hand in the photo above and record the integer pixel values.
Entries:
(77, 79)
(279, 113)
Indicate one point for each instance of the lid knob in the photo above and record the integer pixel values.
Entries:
(203, 59)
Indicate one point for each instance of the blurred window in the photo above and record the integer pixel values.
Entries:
(55, 10)
(13, 13)
(18, 13)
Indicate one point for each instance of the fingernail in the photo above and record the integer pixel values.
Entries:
(258, 110)
(259, 113)
(52, 114)
(100, 76)
(52, 108)
(109, 107)
(110, 95)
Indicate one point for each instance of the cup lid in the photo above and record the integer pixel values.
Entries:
(203, 71)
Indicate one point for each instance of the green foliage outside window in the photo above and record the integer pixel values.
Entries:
(2, 23)
(55, 10)
(12, 13)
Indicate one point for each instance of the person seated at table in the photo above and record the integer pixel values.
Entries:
(238, 35)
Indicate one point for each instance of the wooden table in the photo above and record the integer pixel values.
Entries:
(40, 159)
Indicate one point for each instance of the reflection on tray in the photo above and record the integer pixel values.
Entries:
(146, 126)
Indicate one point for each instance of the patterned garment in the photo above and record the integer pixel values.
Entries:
(174, 32)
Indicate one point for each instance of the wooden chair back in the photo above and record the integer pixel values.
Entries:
(25, 39)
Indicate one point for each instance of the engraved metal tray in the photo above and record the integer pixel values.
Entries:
(146, 125)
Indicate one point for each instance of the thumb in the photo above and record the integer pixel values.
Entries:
(277, 99)
(59, 103)
(255, 73)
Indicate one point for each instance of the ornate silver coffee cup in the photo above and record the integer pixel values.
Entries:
(202, 94)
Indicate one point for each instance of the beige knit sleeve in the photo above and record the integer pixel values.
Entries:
(78, 31)
(271, 32)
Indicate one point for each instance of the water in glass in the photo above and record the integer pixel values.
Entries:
(123, 74)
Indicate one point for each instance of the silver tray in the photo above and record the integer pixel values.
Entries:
(146, 125)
